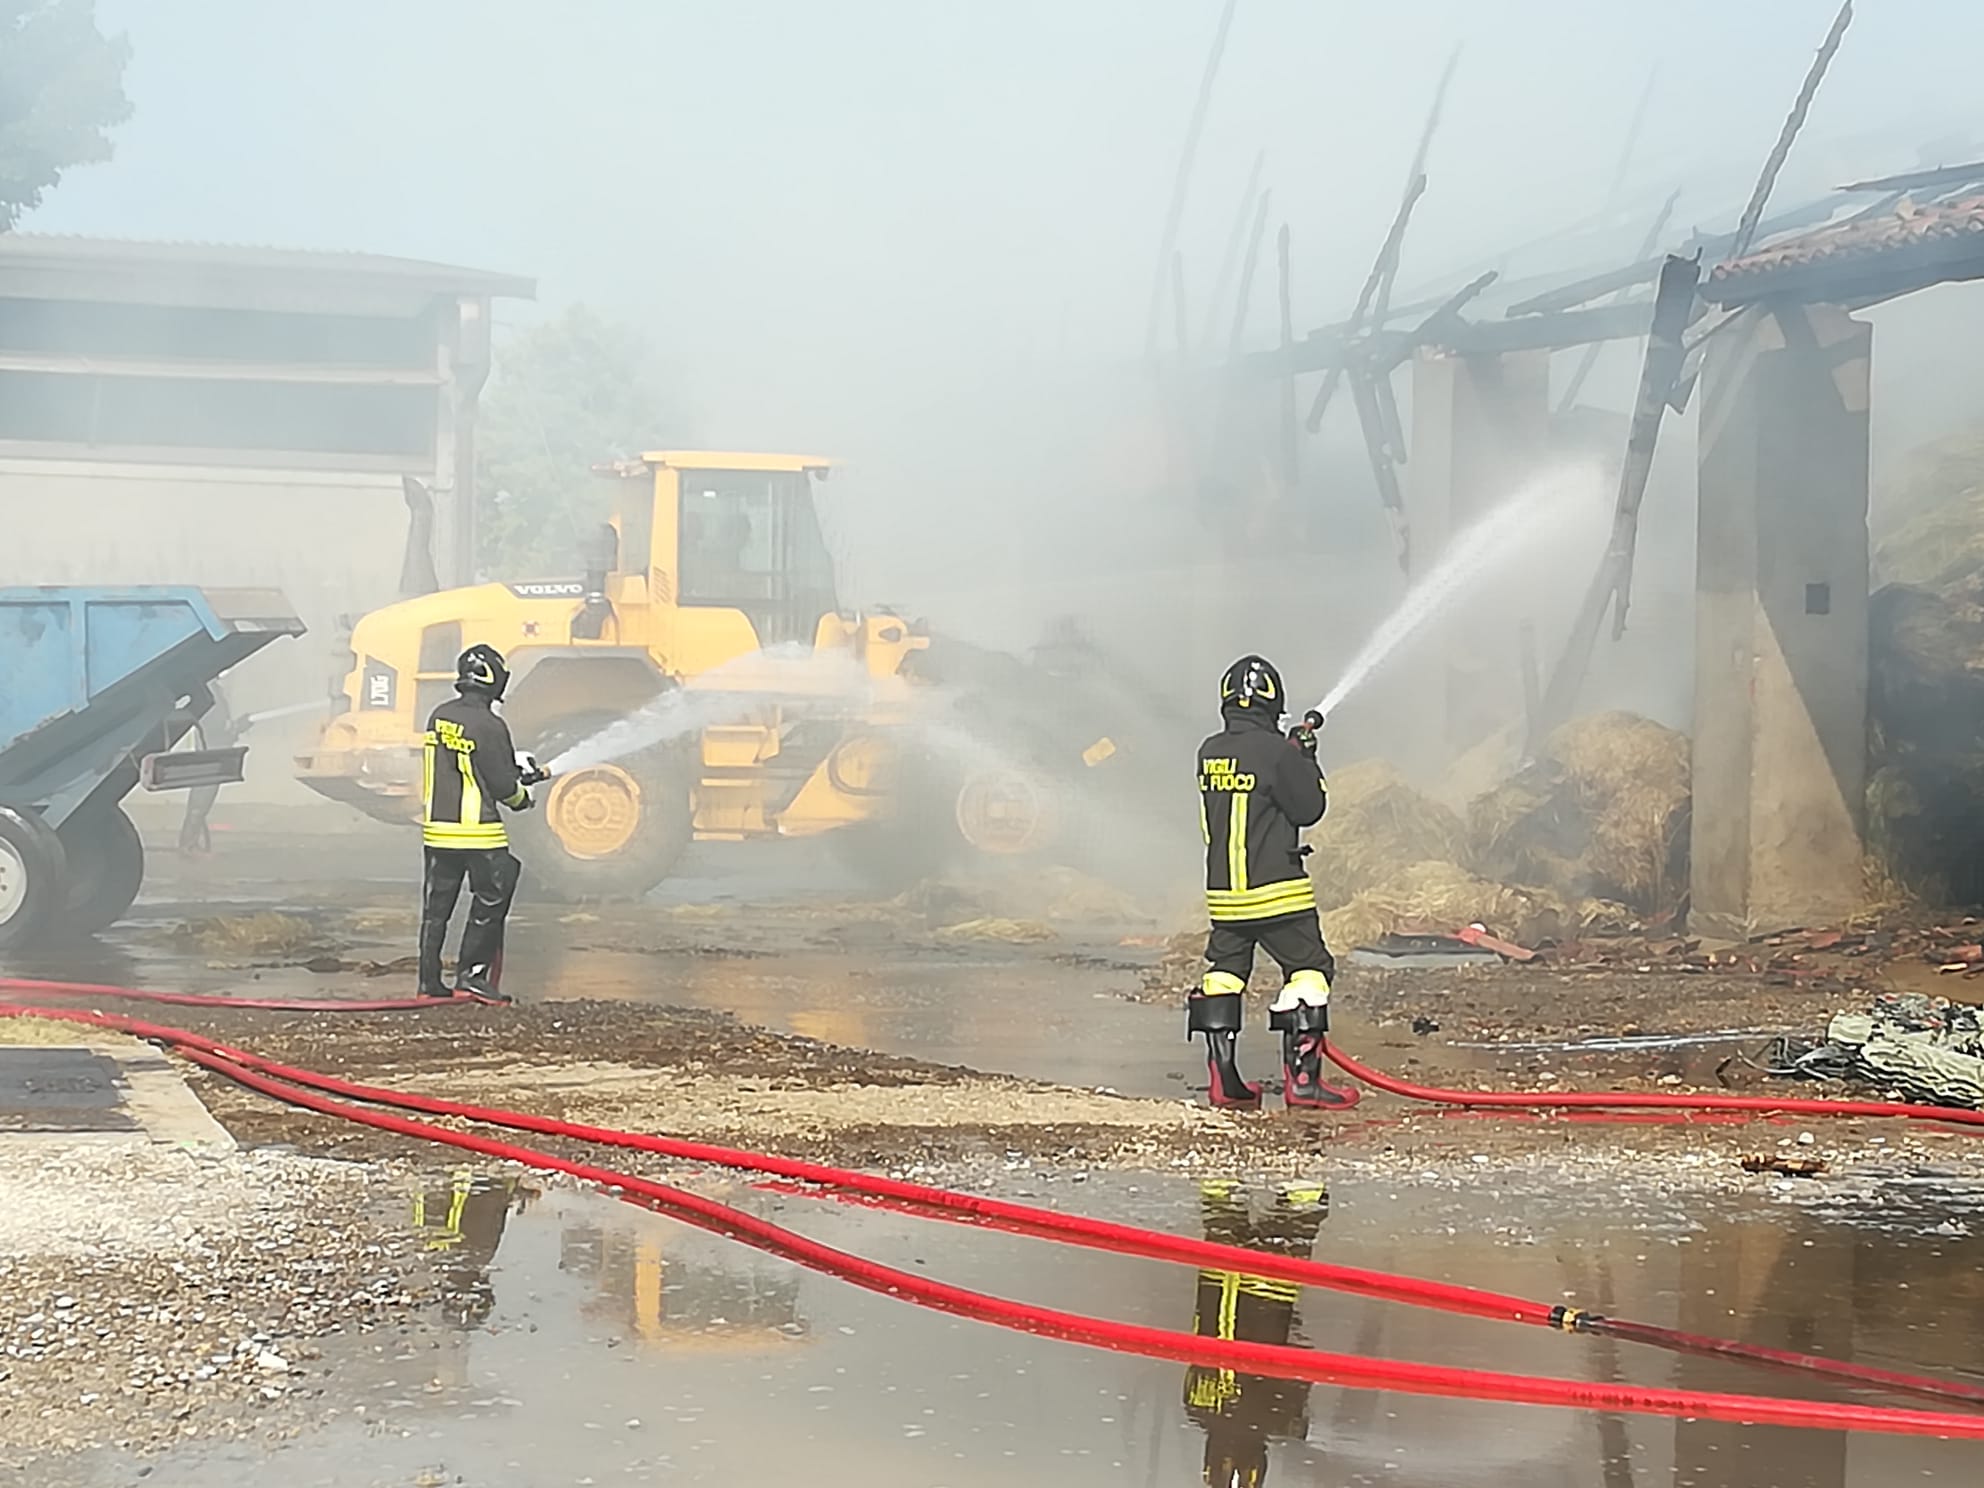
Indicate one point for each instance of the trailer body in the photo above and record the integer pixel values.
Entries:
(97, 686)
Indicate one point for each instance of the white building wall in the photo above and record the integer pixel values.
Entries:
(331, 542)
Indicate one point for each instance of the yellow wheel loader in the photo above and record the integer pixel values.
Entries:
(705, 684)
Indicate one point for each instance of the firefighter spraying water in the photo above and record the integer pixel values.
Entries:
(471, 767)
(1258, 789)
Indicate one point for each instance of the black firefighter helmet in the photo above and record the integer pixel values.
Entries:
(1252, 683)
(481, 669)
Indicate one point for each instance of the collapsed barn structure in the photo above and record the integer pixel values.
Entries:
(1758, 332)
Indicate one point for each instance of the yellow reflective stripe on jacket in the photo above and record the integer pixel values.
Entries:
(471, 788)
(470, 831)
(1289, 897)
(464, 834)
(1236, 843)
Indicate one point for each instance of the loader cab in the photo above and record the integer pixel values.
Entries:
(733, 542)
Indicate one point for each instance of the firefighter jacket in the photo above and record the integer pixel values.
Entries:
(1257, 791)
(470, 766)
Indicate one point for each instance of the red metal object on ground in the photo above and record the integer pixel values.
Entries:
(1477, 935)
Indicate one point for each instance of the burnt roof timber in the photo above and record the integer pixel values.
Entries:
(1941, 176)
(1324, 351)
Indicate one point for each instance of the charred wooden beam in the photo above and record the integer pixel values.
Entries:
(1181, 180)
(1243, 300)
(1942, 178)
(1643, 270)
(1374, 281)
(1611, 586)
(1290, 445)
(1588, 359)
(1746, 230)
(1229, 261)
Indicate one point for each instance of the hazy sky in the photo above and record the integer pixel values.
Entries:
(822, 208)
(920, 234)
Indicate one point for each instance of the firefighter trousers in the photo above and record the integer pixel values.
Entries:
(1294, 941)
(492, 874)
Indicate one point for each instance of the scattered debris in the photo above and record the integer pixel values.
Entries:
(1790, 1167)
(1441, 897)
(1477, 935)
(1919, 1048)
(1013, 932)
(266, 934)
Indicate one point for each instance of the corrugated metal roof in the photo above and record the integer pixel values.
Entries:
(1937, 229)
(131, 256)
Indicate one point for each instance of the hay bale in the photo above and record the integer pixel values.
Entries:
(1925, 788)
(1602, 813)
(1377, 827)
(1443, 897)
(1929, 523)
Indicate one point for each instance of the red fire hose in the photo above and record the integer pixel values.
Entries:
(1099, 1234)
(289, 1084)
(1626, 1100)
(1279, 1360)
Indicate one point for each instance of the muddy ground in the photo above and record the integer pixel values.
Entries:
(959, 1037)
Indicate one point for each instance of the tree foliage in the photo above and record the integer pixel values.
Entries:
(564, 396)
(61, 92)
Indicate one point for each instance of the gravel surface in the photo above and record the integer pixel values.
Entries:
(148, 1295)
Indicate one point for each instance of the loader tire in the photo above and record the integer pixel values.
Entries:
(34, 876)
(942, 817)
(604, 832)
(106, 868)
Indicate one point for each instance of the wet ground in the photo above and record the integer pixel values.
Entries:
(616, 1346)
(760, 999)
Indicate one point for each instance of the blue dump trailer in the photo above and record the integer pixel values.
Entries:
(96, 687)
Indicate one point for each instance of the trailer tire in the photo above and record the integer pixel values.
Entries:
(34, 874)
(607, 832)
(106, 868)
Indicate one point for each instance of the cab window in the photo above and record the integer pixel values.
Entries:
(750, 540)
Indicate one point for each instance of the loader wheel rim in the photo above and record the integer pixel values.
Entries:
(1000, 813)
(13, 881)
(594, 813)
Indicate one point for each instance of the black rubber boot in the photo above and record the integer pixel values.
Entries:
(440, 889)
(1219, 1018)
(484, 980)
(1304, 1031)
(492, 880)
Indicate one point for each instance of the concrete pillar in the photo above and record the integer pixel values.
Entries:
(1480, 427)
(1780, 746)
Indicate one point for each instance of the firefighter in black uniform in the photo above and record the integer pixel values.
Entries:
(471, 768)
(1242, 1413)
(1258, 789)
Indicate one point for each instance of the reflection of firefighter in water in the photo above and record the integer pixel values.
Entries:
(1242, 1413)
(464, 1223)
(707, 1301)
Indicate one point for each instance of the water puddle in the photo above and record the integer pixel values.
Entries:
(584, 1341)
